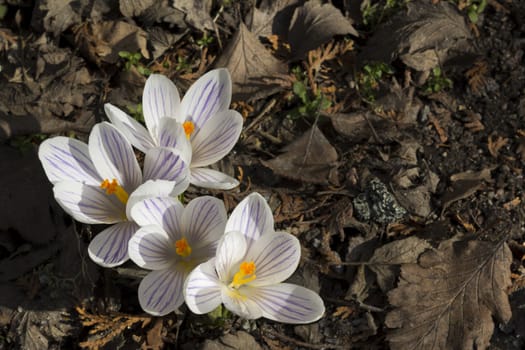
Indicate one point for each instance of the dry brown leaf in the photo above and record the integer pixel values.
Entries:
(512, 204)
(314, 24)
(424, 37)
(154, 337)
(477, 76)
(439, 129)
(495, 144)
(197, 13)
(232, 341)
(272, 17)
(481, 175)
(386, 259)
(343, 311)
(473, 122)
(460, 190)
(252, 67)
(310, 158)
(447, 301)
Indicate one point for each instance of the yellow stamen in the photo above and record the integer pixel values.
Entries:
(182, 247)
(246, 274)
(114, 188)
(188, 128)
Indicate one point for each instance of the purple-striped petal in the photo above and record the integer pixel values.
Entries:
(160, 99)
(209, 178)
(137, 135)
(160, 292)
(276, 257)
(172, 135)
(230, 251)
(209, 95)
(240, 302)
(165, 212)
(113, 156)
(204, 220)
(202, 290)
(288, 303)
(88, 204)
(110, 247)
(151, 248)
(154, 188)
(216, 138)
(252, 216)
(67, 159)
(166, 164)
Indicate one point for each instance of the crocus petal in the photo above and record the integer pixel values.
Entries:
(88, 204)
(203, 220)
(202, 290)
(230, 251)
(165, 164)
(165, 212)
(252, 216)
(209, 178)
(172, 135)
(65, 159)
(160, 292)
(113, 156)
(241, 303)
(151, 248)
(154, 188)
(110, 247)
(288, 303)
(159, 99)
(132, 129)
(216, 138)
(276, 257)
(210, 94)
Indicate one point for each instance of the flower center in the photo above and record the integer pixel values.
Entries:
(182, 248)
(188, 128)
(246, 274)
(114, 188)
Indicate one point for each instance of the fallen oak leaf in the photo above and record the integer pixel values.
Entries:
(447, 300)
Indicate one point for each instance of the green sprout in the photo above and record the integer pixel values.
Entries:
(373, 14)
(309, 105)
(133, 60)
(137, 113)
(437, 81)
(26, 142)
(370, 76)
(205, 40)
(182, 64)
(474, 8)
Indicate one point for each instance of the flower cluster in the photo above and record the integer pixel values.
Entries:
(196, 254)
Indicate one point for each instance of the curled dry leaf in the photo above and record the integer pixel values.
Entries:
(447, 301)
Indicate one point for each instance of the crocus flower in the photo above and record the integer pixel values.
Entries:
(173, 240)
(98, 183)
(246, 273)
(211, 127)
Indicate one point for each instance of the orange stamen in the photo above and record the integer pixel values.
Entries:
(246, 274)
(114, 188)
(182, 247)
(188, 128)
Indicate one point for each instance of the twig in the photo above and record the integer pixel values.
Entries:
(302, 343)
(261, 115)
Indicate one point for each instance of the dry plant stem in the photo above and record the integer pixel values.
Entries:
(352, 302)
(302, 343)
(257, 120)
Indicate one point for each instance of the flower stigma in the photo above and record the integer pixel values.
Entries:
(245, 275)
(188, 128)
(114, 188)
(182, 247)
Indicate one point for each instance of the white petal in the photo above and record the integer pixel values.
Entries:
(288, 303)
(89, 204)
(165, 212)
(209, 178)
(209, 95)
(113, 156)
(172, 135)
(276, 257)
(154, 188)
(151, 248)
(202, 290)
(240, 303)
(160, 292)
(137, 135)
(204, 220)
(159, 99)
(165, 164)
(252, 216)
(110, 247)
(65, 159)
(230, 251)
(216, 138)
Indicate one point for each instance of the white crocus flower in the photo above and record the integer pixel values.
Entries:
(246, 274)
(98, 183)
(173, 240)
(209, 124)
